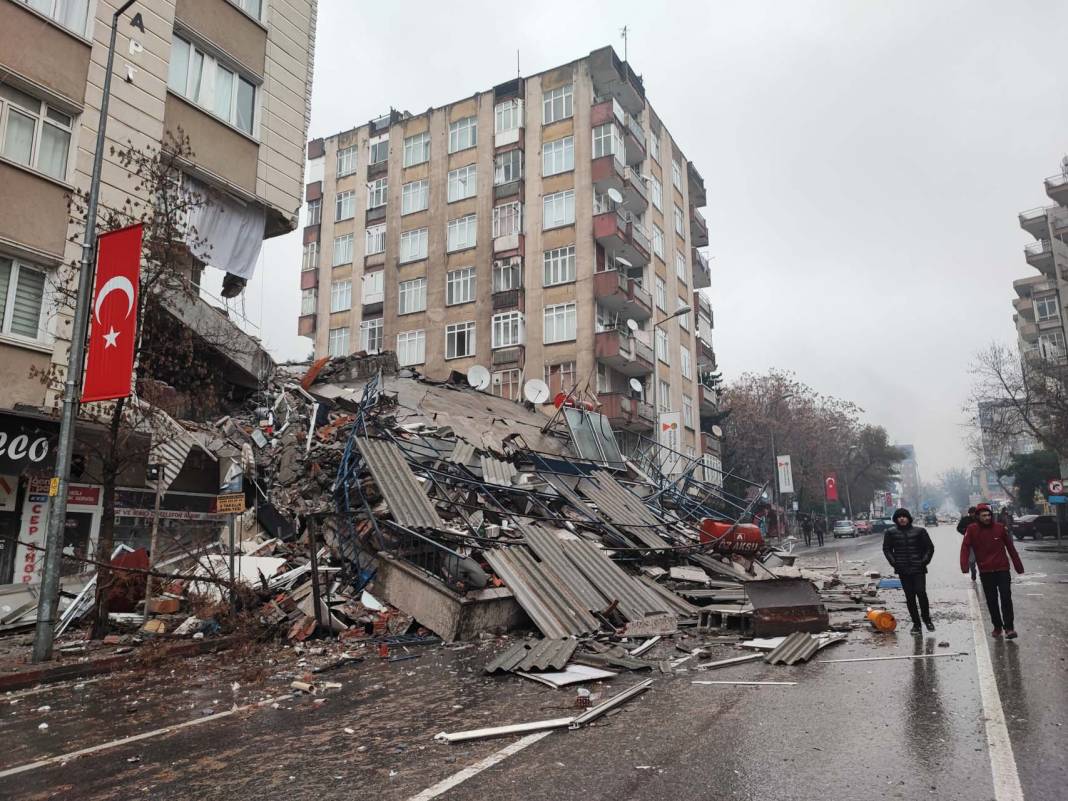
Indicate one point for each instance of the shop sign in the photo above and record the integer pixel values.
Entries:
(26, 443)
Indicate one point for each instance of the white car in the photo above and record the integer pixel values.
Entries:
(844, 528)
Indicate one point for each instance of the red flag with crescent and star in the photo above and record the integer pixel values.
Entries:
(831, 483)
(113, 315)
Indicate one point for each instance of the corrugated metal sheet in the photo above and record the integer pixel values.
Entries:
(635, 600)
(543, 595)
(798, 647)
(623, 508)
(547, 548)
(494, 471)
(462, 453)
(406, 499)
(680, 606)
(534, 655)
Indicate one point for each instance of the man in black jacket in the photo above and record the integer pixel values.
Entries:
(909, 550)
(962, 526)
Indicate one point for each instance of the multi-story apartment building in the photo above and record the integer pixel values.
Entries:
(544, 228)
(233, 75)
(1040, 314)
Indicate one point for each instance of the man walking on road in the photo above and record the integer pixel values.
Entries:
(821, 529)
(909, 550)
(806, 530)
(991, 547)
(962, 526)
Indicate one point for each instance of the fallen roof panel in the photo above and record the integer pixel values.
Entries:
(546, 546)
(407, 501)
(495, 471)
(623, 508)
(635, 599)
(798, 647)
(534, 655)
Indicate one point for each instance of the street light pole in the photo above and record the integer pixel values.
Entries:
(57, 514)
(656, 374)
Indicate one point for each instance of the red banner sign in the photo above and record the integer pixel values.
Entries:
(831, 484)
(113, 315)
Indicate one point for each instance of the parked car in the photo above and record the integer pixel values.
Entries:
(930, 519)
(1036, 526)
(844, 528)
(880, 524)
(862, 526)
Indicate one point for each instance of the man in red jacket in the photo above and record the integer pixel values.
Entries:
(993, 547)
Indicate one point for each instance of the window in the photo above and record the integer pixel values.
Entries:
(309, 298)
(463, 134)
(680, 224)
(680, 266)
(254, 8)
(371, 335)
(202, 79)
(33, 133)
(507, 167)
(663, 396)
(345, 205)
(415, 196)
(417, 149)
(459, 340)
(1046, 308)
(676, 175)
(461, 233)
(311, 256)
(372, 287)
(341, 296)
(662, 346)
(315, 211)
(558, 266)
(342, 250)
(558, 209)
(560, 377)
(654, 145)
(507, 330)
(687, 411)
(658, 240)
(411, 348)
(558, 156)
(376, 239)
(507, 275)
(557, 104)
(508, 219)
(560, 323)
(508, 116)
(460, 286)
(413, 245)
(606, 319)
(411, 296)
(338, 342)
(506, 384)
(1051, 346)
(463, 183)
(607, 141)
(346, 161)
(22, 298)
(71, 14)
(378, 150)
(661, 294)
(685, 364)
(713, 469)
(684, 319)
(376, 193)
(657, 193)
(604, 379)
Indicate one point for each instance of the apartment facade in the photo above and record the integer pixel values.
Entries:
(539, 229)
(234, 76)
(1039, 306)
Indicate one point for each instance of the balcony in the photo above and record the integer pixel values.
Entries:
(625, 412)
(698, 229)
(1025, 308)
(509, 356)
(613, 77)
(620, 237)
(634, 141)
(306, 325)
(709, 444)
(1035, 284)
(635, 193)
(1040, 255)
(702, 274)
(1034, 221)
(697, 185)
(613, 290)
(1057, 188)
(1027, 330)
(507, 300)
(709, 402)
(609, 173)
(378, 169)
(706, 354)
(624, 353)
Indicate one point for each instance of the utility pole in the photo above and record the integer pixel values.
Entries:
(57, 514)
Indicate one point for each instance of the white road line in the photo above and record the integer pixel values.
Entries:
(459, 778)
(1002, 761)
(42, 763)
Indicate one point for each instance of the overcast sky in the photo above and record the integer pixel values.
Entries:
(864, 161)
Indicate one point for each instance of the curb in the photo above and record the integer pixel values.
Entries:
(50, 674)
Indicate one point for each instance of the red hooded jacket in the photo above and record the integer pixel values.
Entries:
(990, 544)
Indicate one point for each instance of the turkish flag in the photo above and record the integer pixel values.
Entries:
(831, 484)
(113, 315)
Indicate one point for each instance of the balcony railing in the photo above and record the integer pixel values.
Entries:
(1056, 184)
(702, 275)
(698, 228)
(1038, 252)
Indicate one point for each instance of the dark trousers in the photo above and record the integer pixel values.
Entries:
(819, 537)
(998, 585)
(915, 587)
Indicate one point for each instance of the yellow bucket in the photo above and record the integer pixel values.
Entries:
(882, 619)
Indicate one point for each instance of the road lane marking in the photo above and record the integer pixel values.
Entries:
(1002, 761)
(459, 778)
(42, 763)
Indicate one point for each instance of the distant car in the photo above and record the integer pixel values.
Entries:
(880, 524)
(1036, 526)
(844, 528)
(863, 526)
(930, 519)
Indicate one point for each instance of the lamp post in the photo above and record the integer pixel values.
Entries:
(681, 310)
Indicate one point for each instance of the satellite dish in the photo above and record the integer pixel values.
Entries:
(478, 377)
(614, 195)
(624, 262)
(717, 432)
(636, 385)
(536, 391)
(633, 326)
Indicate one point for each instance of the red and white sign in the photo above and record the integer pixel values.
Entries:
(1056, 486)
(831, 485)
(113, 315)
(9, 492)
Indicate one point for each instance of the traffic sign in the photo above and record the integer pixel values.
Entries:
(1058, 499)
(1056, 486)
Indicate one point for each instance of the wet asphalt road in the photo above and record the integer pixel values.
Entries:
(866, 730)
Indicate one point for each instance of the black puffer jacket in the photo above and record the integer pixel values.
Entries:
(908, 550)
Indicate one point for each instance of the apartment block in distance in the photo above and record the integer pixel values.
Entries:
(234, 76)
(1040, 312)
(539, 228)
